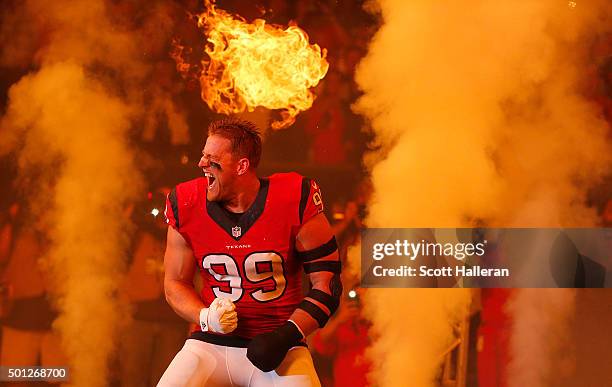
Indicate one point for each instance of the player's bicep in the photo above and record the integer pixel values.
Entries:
(314, 233)
(179, 262)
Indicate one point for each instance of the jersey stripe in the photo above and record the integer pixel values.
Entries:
(174, 205)
(304, 197)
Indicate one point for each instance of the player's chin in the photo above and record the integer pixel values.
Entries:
(212, 196)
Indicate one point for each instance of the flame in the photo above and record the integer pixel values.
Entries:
(257, 64)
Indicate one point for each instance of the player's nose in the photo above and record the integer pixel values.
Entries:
(203, 162)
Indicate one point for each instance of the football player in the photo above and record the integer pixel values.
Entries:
(250, 238)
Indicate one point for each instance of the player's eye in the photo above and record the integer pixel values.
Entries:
(215, 165)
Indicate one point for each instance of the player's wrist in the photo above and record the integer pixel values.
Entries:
(204, 326)
(290, 332)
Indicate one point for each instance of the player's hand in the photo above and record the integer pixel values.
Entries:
(219, 317)
(267, 350)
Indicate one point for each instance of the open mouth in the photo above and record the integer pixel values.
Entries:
(211, 179)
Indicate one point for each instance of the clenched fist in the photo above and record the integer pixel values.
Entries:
(219, 317)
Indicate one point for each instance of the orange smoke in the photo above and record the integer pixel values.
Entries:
(478, 116)
(70, 120)
(257, 64)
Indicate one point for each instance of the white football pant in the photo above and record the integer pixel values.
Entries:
(200, 363)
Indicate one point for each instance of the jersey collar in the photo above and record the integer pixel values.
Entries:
(248, 219)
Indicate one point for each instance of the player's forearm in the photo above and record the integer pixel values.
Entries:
(323, 298)
(305, 323)
(183, 298)
(317, 314)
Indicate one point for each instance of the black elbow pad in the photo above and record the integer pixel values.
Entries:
(331, 301)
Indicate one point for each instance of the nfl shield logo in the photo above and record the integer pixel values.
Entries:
(236, 232)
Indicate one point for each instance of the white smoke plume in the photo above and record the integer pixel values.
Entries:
(478, 115)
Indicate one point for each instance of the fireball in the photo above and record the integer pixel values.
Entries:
(257, 64)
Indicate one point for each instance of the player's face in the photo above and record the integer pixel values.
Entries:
(219, 166)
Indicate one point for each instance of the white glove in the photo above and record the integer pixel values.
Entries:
(220, 317)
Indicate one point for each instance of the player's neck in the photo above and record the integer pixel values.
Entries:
(246, 194)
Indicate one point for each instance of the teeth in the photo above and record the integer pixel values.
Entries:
(211, 179)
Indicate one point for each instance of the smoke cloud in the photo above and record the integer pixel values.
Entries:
(540, 343)
(93, 82)
(72, 118)
(411, 330)
(478, 118)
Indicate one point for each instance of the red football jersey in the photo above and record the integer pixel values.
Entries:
(252, 260)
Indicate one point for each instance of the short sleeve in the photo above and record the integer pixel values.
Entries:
(311, 201)
(171, 211)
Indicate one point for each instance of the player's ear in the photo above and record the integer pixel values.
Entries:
(243, 166)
